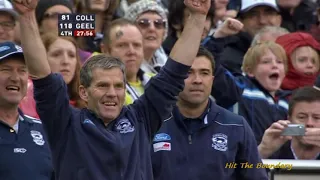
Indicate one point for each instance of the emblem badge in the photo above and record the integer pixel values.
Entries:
(37, 138)
(220, 142)
(124, 126)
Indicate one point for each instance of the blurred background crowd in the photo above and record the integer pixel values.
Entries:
(289, 29)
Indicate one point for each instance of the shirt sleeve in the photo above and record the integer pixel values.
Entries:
(160, 95)
(52, 104)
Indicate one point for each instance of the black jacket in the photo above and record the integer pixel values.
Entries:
(232, 55)
(302, 18)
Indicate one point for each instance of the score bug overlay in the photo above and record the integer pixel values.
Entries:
(76, 25)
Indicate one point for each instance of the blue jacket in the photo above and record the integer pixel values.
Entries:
(201, 148)
(245, 96)
(84, 148)
(26, 154)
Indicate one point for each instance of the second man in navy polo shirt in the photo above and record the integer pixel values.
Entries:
(204, 141)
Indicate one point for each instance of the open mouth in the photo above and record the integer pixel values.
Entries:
(308, 73)
(151, 38)
(112, 104)
(13, 88)
(274, 76)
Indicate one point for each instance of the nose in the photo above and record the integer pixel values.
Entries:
(151, 26)
(65, 59)
(274, 64)
(131, 50)
(197, 79)
(310, 122)
(14, 76)
(111, 92)
(310, 63)
(263, 20)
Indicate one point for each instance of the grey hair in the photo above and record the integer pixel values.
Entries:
(274, 30)
(100, 61)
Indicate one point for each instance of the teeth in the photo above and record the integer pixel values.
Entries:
(151, 38)
(109, 104)
(15, 88)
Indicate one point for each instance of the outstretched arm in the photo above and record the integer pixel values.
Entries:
(34, 51)
(187, 46)
(50, 90)
(156, 104)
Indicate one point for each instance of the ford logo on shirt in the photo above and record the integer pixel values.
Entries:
(161, 137)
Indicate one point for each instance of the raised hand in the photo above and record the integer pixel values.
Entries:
(24, 6)
(198, 6)
(229, 27)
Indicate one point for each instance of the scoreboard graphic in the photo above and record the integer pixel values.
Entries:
(76, 25)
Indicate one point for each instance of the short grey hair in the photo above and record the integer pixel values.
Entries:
(275, 30)
(100, 61)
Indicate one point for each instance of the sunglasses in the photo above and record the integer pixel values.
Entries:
(145, 23)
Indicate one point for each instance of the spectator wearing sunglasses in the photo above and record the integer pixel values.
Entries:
(151, 19)
(7, 21)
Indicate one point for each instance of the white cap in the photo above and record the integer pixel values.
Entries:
(6, 6)
(246, 5)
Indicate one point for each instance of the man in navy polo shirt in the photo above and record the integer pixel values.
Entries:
(203, 141)
(107, 140)
(24, 151)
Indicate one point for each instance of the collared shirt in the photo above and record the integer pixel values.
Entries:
(296, 157)
(287, 152)
(16, 125)
(192, 124)
(219, 140)
(24, 151)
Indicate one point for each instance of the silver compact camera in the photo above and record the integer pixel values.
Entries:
(294, 130)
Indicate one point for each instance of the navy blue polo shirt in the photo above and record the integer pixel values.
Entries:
(207, 149)
(24, 154)
(83, 148)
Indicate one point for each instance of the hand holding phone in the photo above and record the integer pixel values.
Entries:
(294, 130)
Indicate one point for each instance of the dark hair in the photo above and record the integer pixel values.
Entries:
(118, 22)
(206, 53)
(305, 94)
(176, 14)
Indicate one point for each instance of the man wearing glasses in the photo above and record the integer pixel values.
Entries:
(7, 21)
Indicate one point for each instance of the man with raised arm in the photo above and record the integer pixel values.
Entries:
(107, 140)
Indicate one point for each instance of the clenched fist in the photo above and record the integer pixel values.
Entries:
(229, 27)
(198, 6)
(24, 6)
